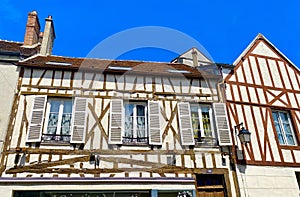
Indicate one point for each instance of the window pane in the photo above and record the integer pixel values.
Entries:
(141, 127)
(67, 107)
(55, 106)
(66, 118)
(206, 121)
(52, 123)
(53, 116)
(288, 134)
(279, 133)
(277, 127)
(195, 122)
(66, 124)
(128, 120)
(140, 110)
(284, 117)
(275, 116)
(141, 124)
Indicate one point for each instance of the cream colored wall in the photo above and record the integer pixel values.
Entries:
(267, 181)
(8, 82)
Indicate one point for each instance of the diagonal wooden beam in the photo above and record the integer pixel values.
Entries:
(98, 122)
(161, 170)
(132, 161)
(104, 111)
(41, 77)
(43, 166)
(173, 114)
(278, 98)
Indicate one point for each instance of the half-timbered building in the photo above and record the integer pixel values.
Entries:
(10, 53)
(263, 93)
(128, 128)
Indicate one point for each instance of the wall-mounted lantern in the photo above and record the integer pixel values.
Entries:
(244, 135)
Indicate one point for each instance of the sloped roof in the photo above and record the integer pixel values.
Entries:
(18, 48)
(253, 43)
(121, 66)
(10, 46)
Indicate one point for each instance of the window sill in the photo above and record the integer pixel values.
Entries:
(55, 143)
(206, 142)
(135, 144)
(135, 147)
(290, 147)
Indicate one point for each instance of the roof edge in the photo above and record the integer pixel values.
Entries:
(260, 36)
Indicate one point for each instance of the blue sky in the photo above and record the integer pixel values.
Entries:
(223, 28)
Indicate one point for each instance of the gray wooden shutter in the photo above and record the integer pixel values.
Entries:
(155, 137)
(37, 118)
(116, 121)
(223, 131)
(79, 114)
(185, 124)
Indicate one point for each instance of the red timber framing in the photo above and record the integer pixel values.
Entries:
(264, 80)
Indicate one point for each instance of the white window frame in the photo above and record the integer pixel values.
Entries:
(60, 113)
(282, 128)
(199, 106)
(145, 104)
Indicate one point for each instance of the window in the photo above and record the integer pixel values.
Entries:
(201, 121)
(58, 120)
(52, 120)
(196, 124)
(284, 128)
(211, 185)
(135, 122)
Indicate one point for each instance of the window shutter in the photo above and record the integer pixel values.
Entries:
(155, 137)
(116, 121)
(185, 124)
(79, 120)
(36, 120)
(224, 136)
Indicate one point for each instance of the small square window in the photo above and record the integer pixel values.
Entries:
(284, 127)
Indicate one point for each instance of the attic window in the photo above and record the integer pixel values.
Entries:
(59, 63)
(119, 68)
(178, 71)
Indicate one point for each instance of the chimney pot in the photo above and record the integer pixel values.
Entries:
(48, 37)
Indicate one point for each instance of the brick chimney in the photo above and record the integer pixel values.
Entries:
(32, 29)
(48, 37)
